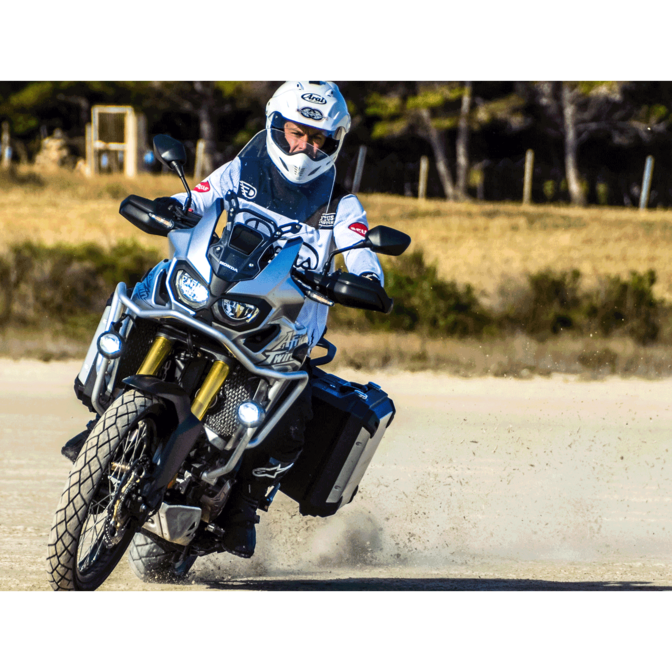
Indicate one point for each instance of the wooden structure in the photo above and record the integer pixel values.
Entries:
(112, 140)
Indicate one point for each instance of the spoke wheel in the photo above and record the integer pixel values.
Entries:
(94, 525)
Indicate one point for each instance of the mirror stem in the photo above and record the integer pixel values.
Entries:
(180, 172)
(327, 266)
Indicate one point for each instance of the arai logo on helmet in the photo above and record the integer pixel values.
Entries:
(314, 98)
(310, 113)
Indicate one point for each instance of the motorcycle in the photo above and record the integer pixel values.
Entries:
(194, 368)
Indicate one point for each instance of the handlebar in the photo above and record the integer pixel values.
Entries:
(347, 289)
(183, 219)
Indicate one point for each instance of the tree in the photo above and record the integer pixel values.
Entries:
(578, 111)
(433, 110)
(427, 109)
(65, 105)
(462, 143)
(231, 109)
(212, 104)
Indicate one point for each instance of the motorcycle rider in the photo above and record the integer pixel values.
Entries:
(306, 124)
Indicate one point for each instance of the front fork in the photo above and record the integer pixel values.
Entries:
(211, 385)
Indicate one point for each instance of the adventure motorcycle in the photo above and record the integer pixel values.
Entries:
(196, 369)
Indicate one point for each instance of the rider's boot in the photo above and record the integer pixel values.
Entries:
(240, 516)
(73, 447)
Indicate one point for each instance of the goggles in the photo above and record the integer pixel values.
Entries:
(297, 143)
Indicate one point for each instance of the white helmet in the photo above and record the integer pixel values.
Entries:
(319, 105)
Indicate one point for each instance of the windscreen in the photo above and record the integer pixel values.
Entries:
(244, 239)
(265, 210)
(263, 185)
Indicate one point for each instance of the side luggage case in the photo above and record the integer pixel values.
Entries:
(349, 421)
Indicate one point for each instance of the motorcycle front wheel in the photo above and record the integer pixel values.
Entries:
(92, 527)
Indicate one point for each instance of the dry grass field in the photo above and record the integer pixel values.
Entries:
(484, 244)
(477, 243)
(66, 208)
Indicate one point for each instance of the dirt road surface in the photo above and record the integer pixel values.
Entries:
(480, 484)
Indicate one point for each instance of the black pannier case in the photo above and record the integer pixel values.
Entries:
(349, 421)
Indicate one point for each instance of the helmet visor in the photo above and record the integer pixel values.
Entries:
(296, 138)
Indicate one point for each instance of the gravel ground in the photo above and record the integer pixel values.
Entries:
(481, 484)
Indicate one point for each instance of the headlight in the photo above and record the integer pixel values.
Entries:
(237, 312)
(190, 290)
(110, 345)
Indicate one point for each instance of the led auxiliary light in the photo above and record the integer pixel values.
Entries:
(110, 345)
(190, 290)
(250, 414)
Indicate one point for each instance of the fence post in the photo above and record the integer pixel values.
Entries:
(200, 158)
(95, 153)
(6, 147)
(646, 185)
(131, 142)
(360, 169)
(527, 182)
(90, 159)
(142, 141)
(422, 184)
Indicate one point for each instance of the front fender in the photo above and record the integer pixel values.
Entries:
(181, 440)
(171, 392)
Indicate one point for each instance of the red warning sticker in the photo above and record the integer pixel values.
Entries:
(359, 228)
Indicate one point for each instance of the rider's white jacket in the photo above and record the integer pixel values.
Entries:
(345, 229)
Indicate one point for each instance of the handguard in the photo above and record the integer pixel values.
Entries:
(154, 217)
(350, 290)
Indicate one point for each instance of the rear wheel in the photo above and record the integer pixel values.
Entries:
(153, 562)
(94, 525)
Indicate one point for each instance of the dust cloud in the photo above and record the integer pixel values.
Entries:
(547, 477)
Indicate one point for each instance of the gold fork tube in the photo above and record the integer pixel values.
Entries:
(211, 385)
(155, 357)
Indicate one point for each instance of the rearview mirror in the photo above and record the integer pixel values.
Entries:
(173, 155)
(170, 151)
(385, 240)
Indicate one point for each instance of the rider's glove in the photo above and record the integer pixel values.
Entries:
(171, 208)
(371, 276)
(167, 201)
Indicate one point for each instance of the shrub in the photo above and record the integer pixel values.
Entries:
(46, 285)
(422, 302)
(549, 304)
(30, 179)
(626, 306)
(66, 286)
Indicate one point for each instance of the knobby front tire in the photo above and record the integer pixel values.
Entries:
(91, 531)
